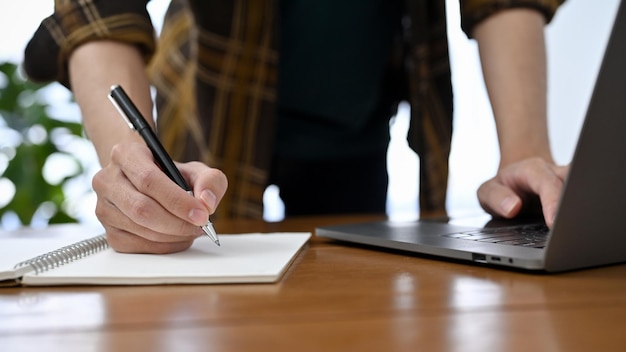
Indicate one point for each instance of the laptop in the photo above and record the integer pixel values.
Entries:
(590, 226)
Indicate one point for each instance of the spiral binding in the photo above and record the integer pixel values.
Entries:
(65, 255)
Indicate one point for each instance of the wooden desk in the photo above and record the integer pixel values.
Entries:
(334, 297)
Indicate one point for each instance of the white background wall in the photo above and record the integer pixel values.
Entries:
(576, 39)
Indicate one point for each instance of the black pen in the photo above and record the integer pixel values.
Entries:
(137, 122)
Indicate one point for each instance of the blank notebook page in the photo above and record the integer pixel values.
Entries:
(245, 258)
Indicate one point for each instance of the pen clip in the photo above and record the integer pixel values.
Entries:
(120, 110)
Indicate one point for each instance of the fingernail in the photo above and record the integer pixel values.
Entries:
(209, 198)
(198, 216)
(508, 204)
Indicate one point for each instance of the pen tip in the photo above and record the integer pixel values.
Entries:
(210, 231)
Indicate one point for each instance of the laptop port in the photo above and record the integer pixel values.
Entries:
(477, 257)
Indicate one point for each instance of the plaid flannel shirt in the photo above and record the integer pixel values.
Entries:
(214, 67)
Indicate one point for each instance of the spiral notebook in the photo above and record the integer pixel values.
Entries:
(78, 255)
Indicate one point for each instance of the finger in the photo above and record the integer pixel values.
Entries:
(498, 199)
(550, 204)
(127, 240)
(111, 217)
(148, 179)
(209, 184)
(561, 171)
(535, 177)
(120, 203)
(550, 199)
(546, 183)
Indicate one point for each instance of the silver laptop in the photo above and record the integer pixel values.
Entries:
(590, 226)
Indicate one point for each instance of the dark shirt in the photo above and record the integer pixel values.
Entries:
(334, 55)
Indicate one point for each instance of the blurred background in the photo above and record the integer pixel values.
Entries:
(46, 165)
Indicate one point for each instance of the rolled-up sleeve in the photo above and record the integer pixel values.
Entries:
(474, 11)
(76, 22)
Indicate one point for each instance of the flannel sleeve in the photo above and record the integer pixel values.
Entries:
(76, 22)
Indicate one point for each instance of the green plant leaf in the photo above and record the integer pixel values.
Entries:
(21, 108)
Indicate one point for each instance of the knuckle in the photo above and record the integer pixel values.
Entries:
(219, 178)
(140, 210)
(104, 210)
(145, 179)
(97, 182)
(101, 211)
(195, 164)
(117, 153)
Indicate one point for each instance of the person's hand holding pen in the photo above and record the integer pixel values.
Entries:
(138, 123)
(140, 207)
(143, 211)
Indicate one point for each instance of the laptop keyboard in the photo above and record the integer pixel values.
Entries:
(534, 235)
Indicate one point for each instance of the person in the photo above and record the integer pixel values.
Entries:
(295, 93)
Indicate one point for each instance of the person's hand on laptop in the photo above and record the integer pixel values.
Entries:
(527, 186)
(513, 59)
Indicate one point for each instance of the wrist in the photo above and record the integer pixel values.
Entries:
(525, 153)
